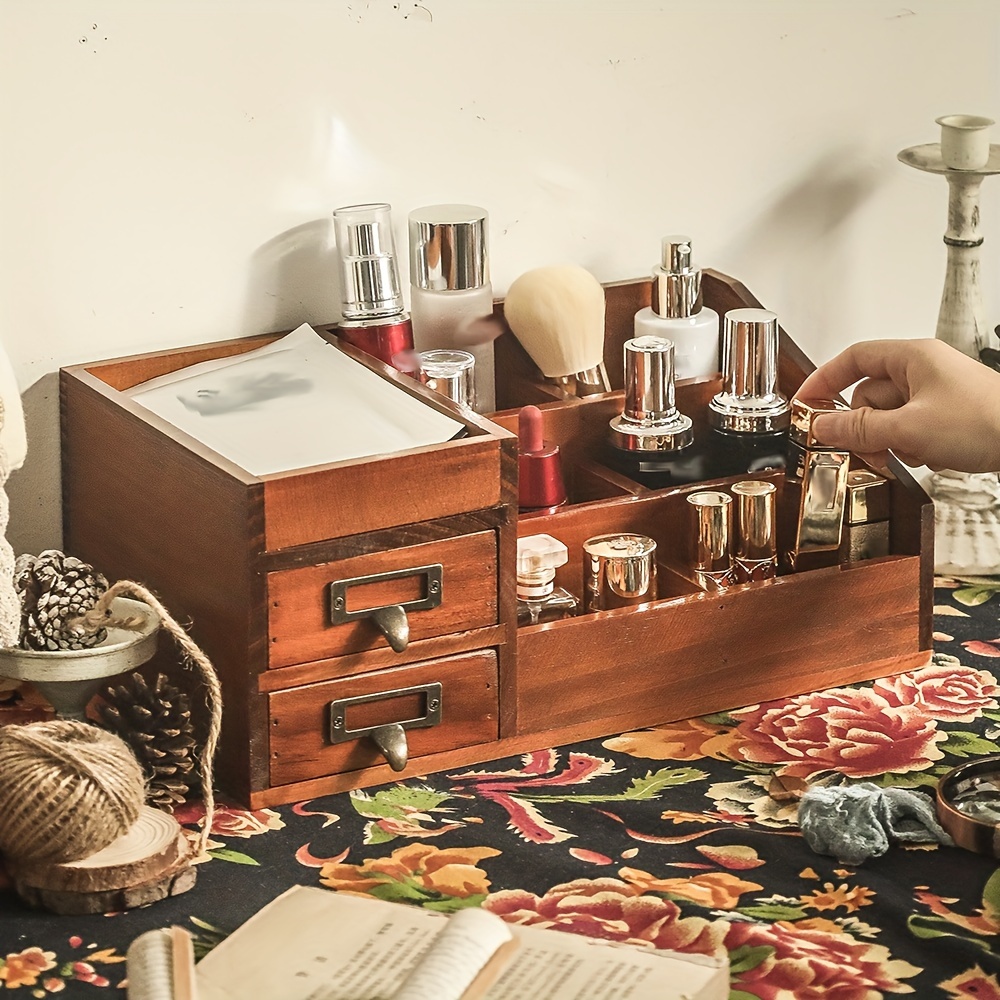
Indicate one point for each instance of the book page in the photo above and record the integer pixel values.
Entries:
(295, 403)
(312, 944)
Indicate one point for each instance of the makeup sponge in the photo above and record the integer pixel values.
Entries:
(557, 313)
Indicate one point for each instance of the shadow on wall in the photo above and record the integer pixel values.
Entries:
(35, 489)
(798, 247)
(293, 279)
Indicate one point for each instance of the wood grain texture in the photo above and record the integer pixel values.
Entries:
(300, 748)
(299, 599)
(453, 762)
(139, 505)
(696, 654)
(351, 498)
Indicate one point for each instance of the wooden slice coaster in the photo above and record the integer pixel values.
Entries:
(150, 862)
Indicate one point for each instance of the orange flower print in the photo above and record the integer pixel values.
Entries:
(23, 968)
(717, 890)
(834, 898)
(691, 739)
(985, 923)
(973, 984)
(418, 874)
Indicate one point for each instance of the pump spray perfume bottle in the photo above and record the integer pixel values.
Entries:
(372, 305)
(749, 417)
(676, 312)
(538, 598)
(651, 439)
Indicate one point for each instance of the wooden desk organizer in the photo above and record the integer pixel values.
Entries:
(257, 565)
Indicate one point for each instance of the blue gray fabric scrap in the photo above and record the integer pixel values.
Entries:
(856, 822)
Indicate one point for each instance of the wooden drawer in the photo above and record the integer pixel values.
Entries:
(300, 717)
(299, 599)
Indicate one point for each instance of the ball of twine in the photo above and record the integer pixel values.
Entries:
(67, 790)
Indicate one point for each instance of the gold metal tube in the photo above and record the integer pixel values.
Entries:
(712, 558)
(756, 546)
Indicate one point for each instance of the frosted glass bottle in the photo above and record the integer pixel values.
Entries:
(459, 319)
(676, 312)
(451, 298)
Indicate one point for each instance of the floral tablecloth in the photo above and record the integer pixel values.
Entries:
(667, 837)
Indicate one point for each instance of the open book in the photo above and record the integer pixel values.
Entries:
(313, 944)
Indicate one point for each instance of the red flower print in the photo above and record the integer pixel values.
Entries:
(857, 732)
(815, 964)
(945, 689)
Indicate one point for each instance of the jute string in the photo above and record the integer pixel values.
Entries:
(67, 791)
(192, 656)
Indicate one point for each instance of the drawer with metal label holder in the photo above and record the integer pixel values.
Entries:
(382, 600)
(391, 717)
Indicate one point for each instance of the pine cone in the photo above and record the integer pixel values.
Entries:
(55, 589)
(156, 723)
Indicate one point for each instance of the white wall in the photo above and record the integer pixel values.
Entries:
(167, 169)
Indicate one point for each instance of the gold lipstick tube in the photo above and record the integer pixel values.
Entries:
(866, 518)
(756, 555)
(712, 558)
(816, 489)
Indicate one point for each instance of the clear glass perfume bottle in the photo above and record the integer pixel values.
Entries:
(538, 598)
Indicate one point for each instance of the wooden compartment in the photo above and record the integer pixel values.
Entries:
(249, 562)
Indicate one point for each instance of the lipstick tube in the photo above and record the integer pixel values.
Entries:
(756, 555)
(712, 556)
(866, 517)
(816, 489)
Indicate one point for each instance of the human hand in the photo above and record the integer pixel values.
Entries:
(921, 399)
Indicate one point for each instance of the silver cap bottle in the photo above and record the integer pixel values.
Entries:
(367, 252)
(448, 247)
(749, 402)
(650, 421)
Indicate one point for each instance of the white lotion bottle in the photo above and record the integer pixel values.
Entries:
(677, 314)
(451, 298)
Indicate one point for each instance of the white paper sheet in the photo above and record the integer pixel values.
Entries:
(295, 403)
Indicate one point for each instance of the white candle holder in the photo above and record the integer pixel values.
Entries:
(966, 507)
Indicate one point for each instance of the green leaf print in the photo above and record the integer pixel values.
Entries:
(972, 597)
(991, 896)
(225, 854)
(647, 787)
(398, 802)
(964, 744)
(745, 958)
(773, 912)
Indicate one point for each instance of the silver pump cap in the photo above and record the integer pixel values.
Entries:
(749, 402)
(367, 251)
(676, 284)
(449, 247)
(650, 420)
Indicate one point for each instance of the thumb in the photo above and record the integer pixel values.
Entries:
(863, 430)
